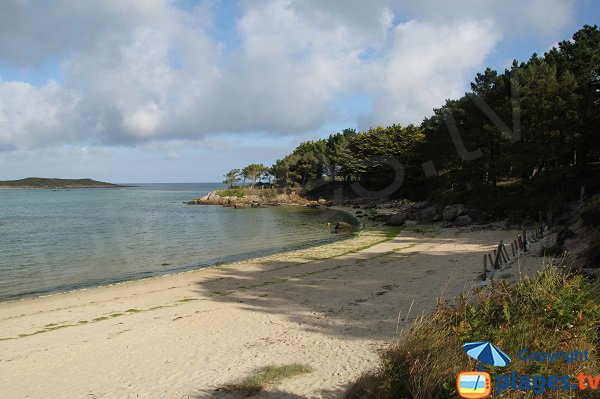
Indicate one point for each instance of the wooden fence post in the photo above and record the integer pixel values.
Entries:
(505, 252)
(498, 255)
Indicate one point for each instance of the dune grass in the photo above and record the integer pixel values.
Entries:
(266, 376)
(555, 311)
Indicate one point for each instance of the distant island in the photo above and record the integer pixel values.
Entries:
(40, 182)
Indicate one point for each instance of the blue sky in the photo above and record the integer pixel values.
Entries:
(182, 91)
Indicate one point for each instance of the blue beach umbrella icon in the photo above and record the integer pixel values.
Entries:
(487, 353)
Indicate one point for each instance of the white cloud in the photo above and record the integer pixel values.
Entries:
(147, 70)
(425, 65)
(31, 116)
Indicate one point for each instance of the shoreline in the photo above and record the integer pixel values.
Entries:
(185, 335)
(216, 263)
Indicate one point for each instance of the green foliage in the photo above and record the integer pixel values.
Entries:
(552, 312)
(243, 191)
(232, 177)
(253, 172)
(551, 103)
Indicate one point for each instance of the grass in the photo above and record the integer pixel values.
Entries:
(554, 311)
(264, 377)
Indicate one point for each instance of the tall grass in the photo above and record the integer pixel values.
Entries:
(552, 312)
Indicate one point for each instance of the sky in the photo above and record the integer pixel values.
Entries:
(132, 91)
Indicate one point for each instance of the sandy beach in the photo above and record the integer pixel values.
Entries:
(186, 335)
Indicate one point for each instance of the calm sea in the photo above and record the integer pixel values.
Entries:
(61, 240)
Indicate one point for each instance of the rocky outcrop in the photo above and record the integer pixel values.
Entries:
(257, 200)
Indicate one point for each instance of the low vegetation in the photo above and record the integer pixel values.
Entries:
(267, 376)
(245, 191)
(555, 311)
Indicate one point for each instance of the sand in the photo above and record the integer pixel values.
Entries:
(186, 335)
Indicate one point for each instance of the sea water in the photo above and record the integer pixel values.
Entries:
(61, 240)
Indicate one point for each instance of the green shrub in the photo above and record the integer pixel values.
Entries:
(243, 191)
(552, 312)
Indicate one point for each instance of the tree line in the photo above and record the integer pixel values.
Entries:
(536, 118)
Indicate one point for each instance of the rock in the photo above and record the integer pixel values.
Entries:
(563, 235)
(451, 212)
(240, 206)
(380, 217)
(422, 205)
(255, 205)
(341, 227)
(463, 220)
(359, 212)
(428, 215)
(397, 219)
(446, 224)
(322, 201)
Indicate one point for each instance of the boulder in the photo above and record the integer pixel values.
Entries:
(463, 220)
(322, 201)
(397, 219)
(428, 215)
(341, 227)
(451, 212)
(240, 206)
